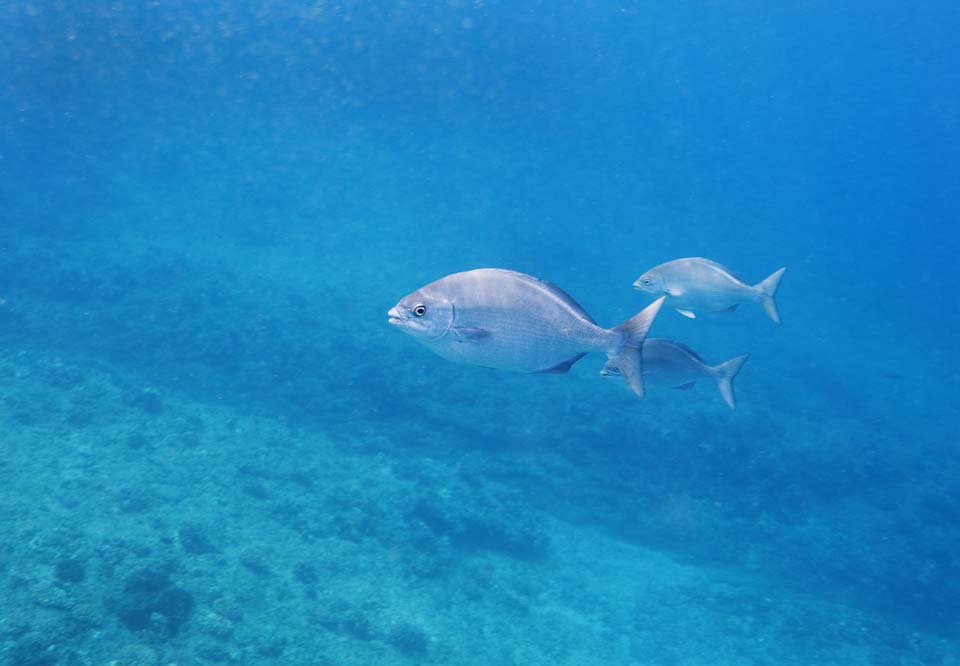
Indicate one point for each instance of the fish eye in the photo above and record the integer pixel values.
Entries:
(419, 310)
(647, 282)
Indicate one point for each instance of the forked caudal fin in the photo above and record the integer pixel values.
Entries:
(767, 293)
(629, 358)
(724, 374)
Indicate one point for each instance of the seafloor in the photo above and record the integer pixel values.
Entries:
(208, 459)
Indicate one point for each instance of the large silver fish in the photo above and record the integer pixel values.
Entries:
(696, 283)
(504, 319)
(673, 364)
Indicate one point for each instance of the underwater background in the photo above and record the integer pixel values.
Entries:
(216, 451)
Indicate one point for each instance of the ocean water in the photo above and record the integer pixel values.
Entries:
(215, 450)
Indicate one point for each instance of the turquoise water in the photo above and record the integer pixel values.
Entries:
(216, 450)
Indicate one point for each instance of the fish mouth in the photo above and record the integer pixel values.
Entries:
(393, 317)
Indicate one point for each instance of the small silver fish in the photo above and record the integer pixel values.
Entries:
(504, 319)
(696, 283)
(673, 364)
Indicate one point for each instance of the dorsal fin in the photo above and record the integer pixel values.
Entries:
(721, 268)
(686, 349)
(551, 289)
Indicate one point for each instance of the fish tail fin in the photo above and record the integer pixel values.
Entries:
(724, 374)
(628, 358)
(767, 292)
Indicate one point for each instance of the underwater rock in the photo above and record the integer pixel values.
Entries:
(134, 500)
(34, 650)
(138, 441)
(47, 595)
(408, 639)
(148, 400)
(272, 646)
(195, 539)
(148, 598)
(22, 410)
(256, 561)
(256, 490)
(212, 652)
(69, 570)
(85, 616)
(496, 528)
(215, 624)
(135, 655)
(344, 618)
(228, 607)
(306, 573)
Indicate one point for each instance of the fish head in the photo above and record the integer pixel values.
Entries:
(651, 282)
(424, 315)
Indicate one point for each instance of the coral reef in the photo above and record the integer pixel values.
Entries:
(207, 485)
(149, 599)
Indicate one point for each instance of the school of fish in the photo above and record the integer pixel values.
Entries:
(503, 319)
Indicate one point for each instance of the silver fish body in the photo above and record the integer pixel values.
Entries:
(697, 284)
(504, 319)
(672, 364)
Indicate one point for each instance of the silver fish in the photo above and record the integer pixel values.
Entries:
(696, 283)
(504, 319)
(673, 364)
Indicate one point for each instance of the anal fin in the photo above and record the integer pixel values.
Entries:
(561, 367)
(685, 387)
(687, 313)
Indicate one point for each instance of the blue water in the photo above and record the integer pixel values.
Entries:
(215, 449)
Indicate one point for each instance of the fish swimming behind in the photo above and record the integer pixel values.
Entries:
(673, 364)
(696, 283)
(504, 319)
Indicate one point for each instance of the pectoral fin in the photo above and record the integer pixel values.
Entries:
(687, 313)
(470, 334)
(732, 308)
